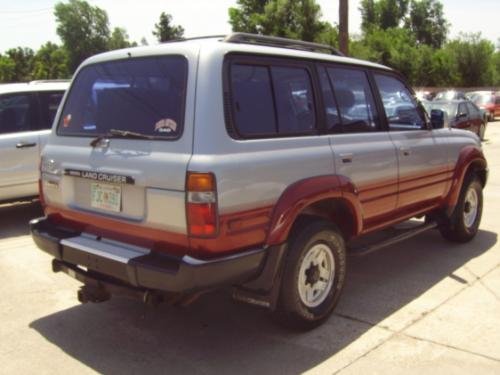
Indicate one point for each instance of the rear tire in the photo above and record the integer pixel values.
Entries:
(313, 276)
(463, 224)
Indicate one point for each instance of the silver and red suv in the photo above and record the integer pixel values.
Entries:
(244, 161)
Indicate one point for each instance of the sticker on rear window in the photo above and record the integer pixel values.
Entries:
(166, 125)
(67, 120)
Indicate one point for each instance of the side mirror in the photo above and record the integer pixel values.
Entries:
(461, 115)
(437, 119)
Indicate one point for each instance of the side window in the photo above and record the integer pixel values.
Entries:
(462, 111)
(400, 108)
(331, 111)
(497, 99)
(355, 101)
(253, 106)
(473, 111)
(49, 102)
(271, 100)
(293, 99)
(16, 113)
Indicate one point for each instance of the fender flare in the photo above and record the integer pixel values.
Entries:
(305, 192)
(470, 156)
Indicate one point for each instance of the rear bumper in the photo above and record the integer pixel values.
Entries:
(140, 267)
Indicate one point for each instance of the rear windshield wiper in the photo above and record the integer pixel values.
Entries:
(115, 133)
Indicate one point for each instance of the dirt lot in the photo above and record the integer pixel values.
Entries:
(422, 305)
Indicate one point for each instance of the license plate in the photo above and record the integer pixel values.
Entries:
(106, 197)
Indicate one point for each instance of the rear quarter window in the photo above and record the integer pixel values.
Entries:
(271, 100)
(143, 95)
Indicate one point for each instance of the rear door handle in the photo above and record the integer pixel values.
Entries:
(346, 158)
(405, 151)
(25, 145)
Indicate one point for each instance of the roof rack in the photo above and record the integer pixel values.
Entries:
(275, 41)
(193, 38)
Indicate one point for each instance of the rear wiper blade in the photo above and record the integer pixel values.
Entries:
(128, 134)
(115, 133)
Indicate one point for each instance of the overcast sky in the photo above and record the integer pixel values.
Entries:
(31, 23)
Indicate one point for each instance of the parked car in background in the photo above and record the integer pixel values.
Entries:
(424, 95)
(489, 101)
(461, 114)
(450, 95)
(26, 114)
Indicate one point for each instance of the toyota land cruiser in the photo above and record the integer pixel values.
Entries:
(244, 161)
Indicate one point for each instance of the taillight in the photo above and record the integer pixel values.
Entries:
(201, 204)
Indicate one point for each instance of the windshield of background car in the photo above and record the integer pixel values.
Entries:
(143, 95)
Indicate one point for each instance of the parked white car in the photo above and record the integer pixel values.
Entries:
(26, 114)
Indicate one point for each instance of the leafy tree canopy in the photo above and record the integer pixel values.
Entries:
(23, 62)
(424, 18)
(50, 62)
(165, 30)
(120, 39)
(83, 29)
(296, 19)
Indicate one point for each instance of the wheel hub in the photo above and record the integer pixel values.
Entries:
(312, 275)
(470, 207)
(316, 275)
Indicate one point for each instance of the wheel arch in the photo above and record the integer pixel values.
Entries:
(470, 160)
(328, 197)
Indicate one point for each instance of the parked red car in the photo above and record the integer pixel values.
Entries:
(489, 101)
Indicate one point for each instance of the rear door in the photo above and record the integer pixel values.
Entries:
(475, 117)
(422, 158)
(462, 119)
(362, 150)
(19, 146)
(122, 144)
(48, 103)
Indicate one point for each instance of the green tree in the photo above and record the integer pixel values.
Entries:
(164, 30)
(7, 69)
(383, 14)
(296, 19)
(426, 20)
(120, 39)
(23, 59)
(474, 59)
(496, 67)
(51, 62)
(247, 16)
(394, 47)
(83, 29)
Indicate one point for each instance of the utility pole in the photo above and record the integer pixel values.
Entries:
(344, 26)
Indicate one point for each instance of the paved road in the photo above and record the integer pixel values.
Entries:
(423, 305)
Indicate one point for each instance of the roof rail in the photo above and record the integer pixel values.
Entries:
(193, 38)
(275, 41)
(48, 81)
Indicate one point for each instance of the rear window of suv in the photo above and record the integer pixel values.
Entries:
(143, 95)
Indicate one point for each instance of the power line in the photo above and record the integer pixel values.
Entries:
(26, 11)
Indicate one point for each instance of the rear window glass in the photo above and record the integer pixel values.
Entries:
(138, 95)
